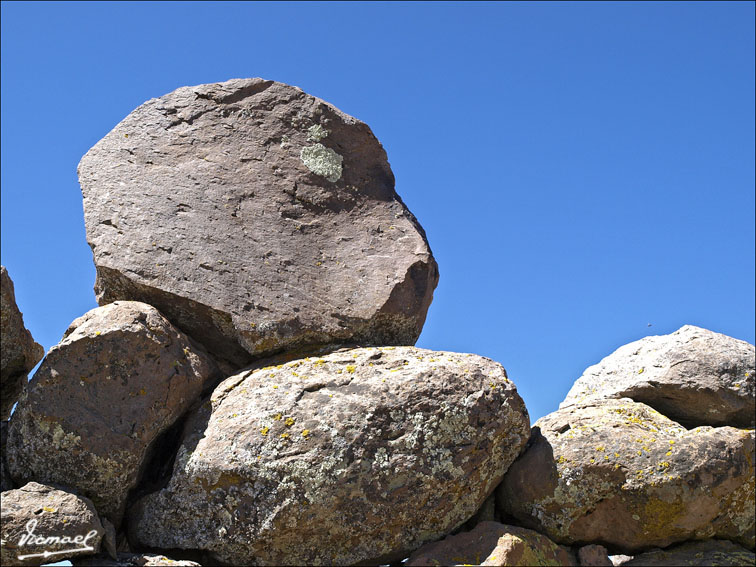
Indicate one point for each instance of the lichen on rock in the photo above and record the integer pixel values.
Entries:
(322, 161)
(399, 451)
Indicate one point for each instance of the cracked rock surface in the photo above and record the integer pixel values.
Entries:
(358, 455)
(121, 376)
(620, 473)
(18, 351)
(694, 376)
(258, 219)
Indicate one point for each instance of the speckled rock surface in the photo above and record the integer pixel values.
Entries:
(594, 556)
(258, 219)
(491, 543)
(44, 512)
(18, 351)
(693, 376)
(710, 553)
(358, 455)
(121, 375)
(620, 473)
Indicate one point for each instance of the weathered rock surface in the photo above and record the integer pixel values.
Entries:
(37, 511)
(491, 543)
(710, 553)
(594, 556)
(120, 377)
(18, 351)
(620, 473)
(358, 455)
(693, 376)
(134, 560)
(258, 219)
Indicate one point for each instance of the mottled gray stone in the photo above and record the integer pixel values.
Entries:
(620, 473)
(258, 219)
(693, 376)
(44, 512)
(358, 455)
(18, 351)
(120, 377)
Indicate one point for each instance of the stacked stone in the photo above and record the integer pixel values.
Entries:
(248, 391)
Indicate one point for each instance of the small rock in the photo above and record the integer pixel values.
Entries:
(18, 351)
(708, 553)
(258, 219)
(120, 377)
(594, 556)
(134, 560)
(491, 543)
(360, 455)
(37, 511)
(619, 472)
(693, 376)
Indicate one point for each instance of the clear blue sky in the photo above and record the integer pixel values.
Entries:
(581, 169)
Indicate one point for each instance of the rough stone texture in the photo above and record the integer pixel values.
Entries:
(711, 553)
(18, 351)
(358, 455)
(491, 543)
(693, 376)
(620, 473)
(133, 560)
(258, 219)
(6, 483)
(121, 376)
(52, 513)
(594, 556)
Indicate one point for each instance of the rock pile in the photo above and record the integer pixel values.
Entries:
(248, 393)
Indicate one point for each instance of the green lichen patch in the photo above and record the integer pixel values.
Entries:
(316, 133)
(322, 161)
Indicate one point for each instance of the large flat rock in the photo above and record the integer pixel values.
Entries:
(121, 376)
(693, 376)
(359, 455)
(620, 473)
(18, 351)
(258, 219)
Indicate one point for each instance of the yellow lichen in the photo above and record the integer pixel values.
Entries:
(264, 431)
(351, 368)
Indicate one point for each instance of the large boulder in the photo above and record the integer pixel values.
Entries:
(491, 543)
(18, 351)
(709, 553)
(358, 455)
(121, 376)
(620, 473)
(693, 376)
(43, 524)
(258, 219)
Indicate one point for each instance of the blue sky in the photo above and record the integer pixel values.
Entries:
(581, 169)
